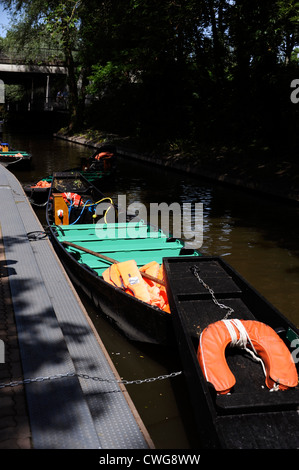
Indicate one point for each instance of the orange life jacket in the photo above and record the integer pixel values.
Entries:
(127, 276)
(72, 198)
(42, 184)
(279, 366)
(157, 291)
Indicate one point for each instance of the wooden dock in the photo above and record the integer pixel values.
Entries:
(72, 390)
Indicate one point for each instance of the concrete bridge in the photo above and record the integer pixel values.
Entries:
(32, 83)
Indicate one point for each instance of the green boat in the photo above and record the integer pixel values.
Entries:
(91, 245)
(94, 170)
(9, 157)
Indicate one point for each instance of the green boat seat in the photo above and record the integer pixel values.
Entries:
(121, 242)
(86, 232)
(104, 246)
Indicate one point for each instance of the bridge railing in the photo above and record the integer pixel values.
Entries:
(28, 56)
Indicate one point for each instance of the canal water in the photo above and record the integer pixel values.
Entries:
(257, 235)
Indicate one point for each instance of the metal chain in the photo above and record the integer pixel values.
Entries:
(195, 270)
(35, 203)
(36, 379)
(86, 376)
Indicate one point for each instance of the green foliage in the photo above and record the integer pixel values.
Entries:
(177, 69)
(14, 93)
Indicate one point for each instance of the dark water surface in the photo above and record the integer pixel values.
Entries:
(256, 235)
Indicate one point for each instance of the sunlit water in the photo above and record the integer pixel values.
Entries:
(256, 235)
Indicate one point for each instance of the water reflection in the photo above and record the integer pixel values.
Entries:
(258, 236)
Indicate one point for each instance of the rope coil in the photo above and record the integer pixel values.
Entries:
(243, 340)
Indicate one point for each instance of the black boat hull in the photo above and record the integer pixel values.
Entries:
(16, 162)
(138, 320)
(251, 417)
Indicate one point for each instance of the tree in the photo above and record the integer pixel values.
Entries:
(58, 22)
(288, 20)
(206, 69)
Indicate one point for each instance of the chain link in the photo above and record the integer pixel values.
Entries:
(36, 379)
(151, 379)
(195, 270)
(88, 377)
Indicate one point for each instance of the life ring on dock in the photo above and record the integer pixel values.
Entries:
(257, 338)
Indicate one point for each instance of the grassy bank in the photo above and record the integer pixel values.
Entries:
(254, 168)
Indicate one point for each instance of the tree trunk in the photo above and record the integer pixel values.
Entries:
(73, 90)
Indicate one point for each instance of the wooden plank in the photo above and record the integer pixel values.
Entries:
(112, 261)
(116, 246)
(141, 257)
(72, 234)
(258, 400)
(110, 225)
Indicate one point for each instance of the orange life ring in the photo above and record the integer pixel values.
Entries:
(279, 367)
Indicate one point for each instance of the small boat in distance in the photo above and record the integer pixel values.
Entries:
(9, 156)
(103, 159)
(100, 165)
(118, 265)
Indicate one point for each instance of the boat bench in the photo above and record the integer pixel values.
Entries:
(103, 232)
(105, 246)
(257, 400)
(117, 241)
(141, 257)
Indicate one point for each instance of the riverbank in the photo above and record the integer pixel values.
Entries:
(267, 175)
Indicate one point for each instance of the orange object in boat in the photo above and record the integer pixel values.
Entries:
(279, 367)
(60, 210)
(157, 291)
(72, 198)
(127, 276)
(113, 276)
(103, 154)
(42, 184)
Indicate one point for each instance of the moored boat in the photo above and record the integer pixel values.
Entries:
(9, 157)
(100, 165)
(117, 264)
(103, 159)
(245, 396)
